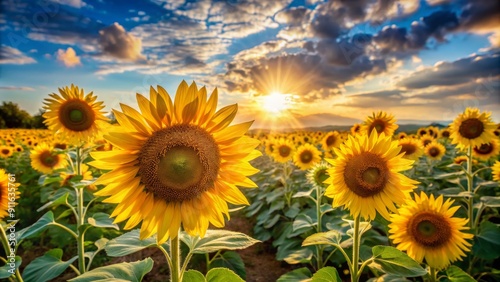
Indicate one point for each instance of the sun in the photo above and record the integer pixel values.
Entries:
(276, 103)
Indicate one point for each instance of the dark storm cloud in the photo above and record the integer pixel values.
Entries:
(454, 73)
(399, 39)
(293, 16)
(344, 51)
(480, 14)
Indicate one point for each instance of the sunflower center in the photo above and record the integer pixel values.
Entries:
(471, 128)
(379, 125)
(426, 142)
(429, 229)
(306, 156)
(422, 132)
(5, 151)
(47, 159)
(445, 134)
(484, 149)
(408, 149)
(284, 151)
(434, 152)
(320, 176)
(330, 140)
(179, 163)
(180, 168)
(76, 115)
(366, 174)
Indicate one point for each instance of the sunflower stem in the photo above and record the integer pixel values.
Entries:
(80, 242)
(432, 274)
(319, 248)
(175, 275)
(355, 250)
(470, 180)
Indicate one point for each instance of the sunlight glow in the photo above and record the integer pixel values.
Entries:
(276, 103)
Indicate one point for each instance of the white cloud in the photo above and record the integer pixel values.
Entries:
(116, 42)
(68, 57)
(13, 56)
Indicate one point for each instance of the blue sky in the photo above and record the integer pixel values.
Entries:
(419, 60)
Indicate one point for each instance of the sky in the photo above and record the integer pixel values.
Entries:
(286, 63)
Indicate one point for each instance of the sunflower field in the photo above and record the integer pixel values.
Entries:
(91, 199)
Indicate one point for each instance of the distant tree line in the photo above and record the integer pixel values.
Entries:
(11, 116)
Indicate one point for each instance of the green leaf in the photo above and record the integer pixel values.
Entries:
(302, 221)
(451, 192)
(8, 270)
(389, 278)
(449, 175)
(125, 271)
(326, 274)
(331, 238)
(231, 260)
(46, 267)
(456, 274)
(62, 200)
(492, 202)
(100, 219)
(46, 180)
(222, 275)
(270, 223)
(216, 240)
(303, 255)
(193, 276)
(297, 275)
(304, 193)
(392, 261)
(128, 243)
(42, 223)
(487, 242)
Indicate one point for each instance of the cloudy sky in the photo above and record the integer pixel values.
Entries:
(285, 62)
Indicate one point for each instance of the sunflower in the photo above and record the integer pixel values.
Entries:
(495, 171)
(6, 193)
(426, 140)
(66, 177)
(411, 148)
(176, 163)
(401, 135)
(331, 140)
(425, 228)
(486, 150)
(283, 150)
(76, 116)
(422, 131)
(6, 151)
(365, 176)
(472, 128)
(435, 150)
(306, 156)
(45, 159)
(318, 173)
(460, 160)
(382, 122)
(444, 133)
(355, 129)
(433, 131)
(269, 149)
(18, 148)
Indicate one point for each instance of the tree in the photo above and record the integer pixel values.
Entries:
(11, 116)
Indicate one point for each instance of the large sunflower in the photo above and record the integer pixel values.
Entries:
(8, 191)
(176, 163)
(472, 128)
(365, 176)
(426, 228)
(411, 148)
(45, 159)
(306, 156)
(73, 114)
(435, 150)
(486, 150)
(495, 171)
(283, 150)
(382, 122)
